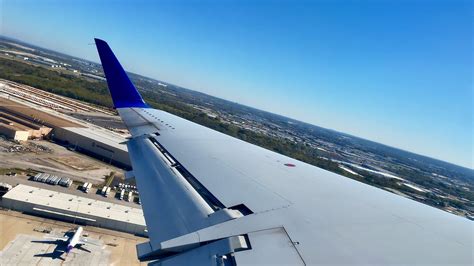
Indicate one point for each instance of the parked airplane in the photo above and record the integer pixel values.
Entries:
(65, 243)
(210, 199)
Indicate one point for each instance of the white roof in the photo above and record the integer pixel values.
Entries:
(81, 205)
(104, 136)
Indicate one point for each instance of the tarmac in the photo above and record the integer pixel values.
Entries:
(17, 231)
(23, 251)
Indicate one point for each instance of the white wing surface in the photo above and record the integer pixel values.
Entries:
(210, 199)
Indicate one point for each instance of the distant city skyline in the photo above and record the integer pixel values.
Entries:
(398, 73)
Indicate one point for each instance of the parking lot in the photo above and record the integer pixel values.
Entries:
(75, 189)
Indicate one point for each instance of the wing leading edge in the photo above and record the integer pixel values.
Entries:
(124, 93)
(210, 198)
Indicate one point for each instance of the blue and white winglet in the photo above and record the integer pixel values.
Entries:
(210, 199)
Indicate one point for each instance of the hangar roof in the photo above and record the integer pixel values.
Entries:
(102, 135)
(45, 198)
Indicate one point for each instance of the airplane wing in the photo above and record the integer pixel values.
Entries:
(57, 238)
(86, 241)
(211, 199)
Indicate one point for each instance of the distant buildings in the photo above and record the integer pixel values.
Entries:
(92, 76)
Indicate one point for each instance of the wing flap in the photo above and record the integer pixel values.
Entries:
(217, 160)
(171, 205)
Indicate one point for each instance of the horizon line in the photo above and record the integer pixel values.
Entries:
(259, 109)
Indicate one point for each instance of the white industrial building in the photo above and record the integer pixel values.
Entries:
(98, 142)
(71, 208)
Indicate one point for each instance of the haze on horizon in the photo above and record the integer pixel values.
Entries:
(396, 73)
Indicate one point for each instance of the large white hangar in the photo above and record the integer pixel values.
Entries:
(98, 142)
(71, 208)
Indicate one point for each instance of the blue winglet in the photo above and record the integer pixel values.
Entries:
(124, 94)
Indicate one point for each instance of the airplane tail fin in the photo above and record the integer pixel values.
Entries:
(124, 94)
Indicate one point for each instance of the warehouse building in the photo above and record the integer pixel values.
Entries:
(21, 130)
(97, 142)
(71, 208)
(12, 131)
(16, 118)
(35, 116)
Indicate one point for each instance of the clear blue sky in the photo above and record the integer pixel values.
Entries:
(397, 72)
